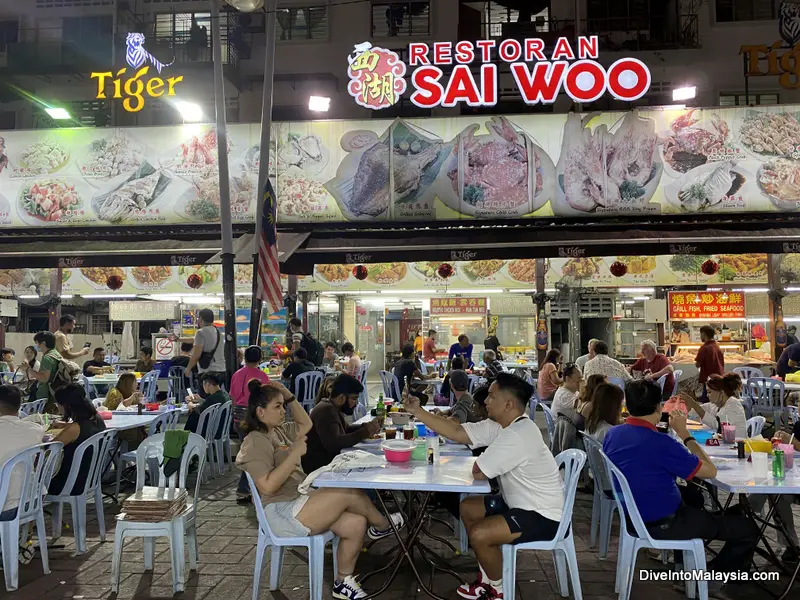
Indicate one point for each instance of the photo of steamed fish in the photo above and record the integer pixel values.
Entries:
(705, 188)
(136, 194)
(604, 170)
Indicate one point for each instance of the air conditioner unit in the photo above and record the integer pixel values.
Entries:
(655, 311)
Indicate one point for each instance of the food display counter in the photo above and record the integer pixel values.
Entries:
(735, 353)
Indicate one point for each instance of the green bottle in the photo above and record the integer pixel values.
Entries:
(380, 410)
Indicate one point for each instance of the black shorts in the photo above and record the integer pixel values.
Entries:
(532, 526)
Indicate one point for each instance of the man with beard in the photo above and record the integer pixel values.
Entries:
(330, 434)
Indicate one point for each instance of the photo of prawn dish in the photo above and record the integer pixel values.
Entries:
(714, 185)
(689, 145)
(98, 276)
(386, 273)
(600, 171)
(42, 158)
(581, 268)
(770, 134)
(505, 172)
(49, 201)
(742, 266)
(110, 157)
(522, 270)
(195, 155)
(477, 270)
(299, 196)
(779, 179)
(334, 273)
(151, 277)
(639, 265)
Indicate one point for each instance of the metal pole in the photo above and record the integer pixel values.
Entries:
(263, 170)
(228, 292)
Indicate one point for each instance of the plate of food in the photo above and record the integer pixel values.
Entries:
(200, 203)
(639, 265)
(207, 273)
(301, 198)
(768, 134)
(97, 277)
(335, 274)
(428, 269)
(477, 270)
(688, 264)
(386, 273)
(50, 201)
(779, 180)
(132, 198)
(713, 186)
(522, 270)
(195, 155)
(243, 275)
(44, 157)
(306, 152)
(148, 278)
(691, 143)
(582, 268)
(742, 266)
(113, 156)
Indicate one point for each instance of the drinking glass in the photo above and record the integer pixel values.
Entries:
(788, 451)
(729, 434)
(760, 465)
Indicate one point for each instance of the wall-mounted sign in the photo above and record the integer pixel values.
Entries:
(706, 305)
(458, 306)
(376, 74)
(133, 89)
(780, 56)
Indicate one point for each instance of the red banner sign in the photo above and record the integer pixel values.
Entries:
(458, 306)
(706, 305)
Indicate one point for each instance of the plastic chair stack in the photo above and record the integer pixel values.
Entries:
(694, 555)
(391, 386)
(306, 386)
(149, 386)
(34, 467)
(266, 539)
(562, 545)
(180, 528)
(99, 447)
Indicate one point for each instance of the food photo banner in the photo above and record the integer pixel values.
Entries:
(646, 162)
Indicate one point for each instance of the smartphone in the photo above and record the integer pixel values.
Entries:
(189, 392)
(87, 345)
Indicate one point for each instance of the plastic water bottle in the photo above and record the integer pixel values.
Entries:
(432, 444)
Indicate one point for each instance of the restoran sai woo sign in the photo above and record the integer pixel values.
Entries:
(378, 76)
(706, 305)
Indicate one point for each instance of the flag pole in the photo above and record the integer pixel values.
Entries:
(256, 305)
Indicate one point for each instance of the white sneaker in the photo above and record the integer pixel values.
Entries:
(376, 534)
(348, 589)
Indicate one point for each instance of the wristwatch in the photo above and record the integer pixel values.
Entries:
(689, 439)
(291, 398)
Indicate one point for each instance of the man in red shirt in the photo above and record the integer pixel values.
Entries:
(709, 359)
(654, 366)
(429, 348)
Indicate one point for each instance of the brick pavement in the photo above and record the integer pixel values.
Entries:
(227, 538)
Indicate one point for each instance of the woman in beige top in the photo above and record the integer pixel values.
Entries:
(271, 454)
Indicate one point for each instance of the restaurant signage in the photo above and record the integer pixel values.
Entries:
(706, 305)
(458, 306)
(132, 88)
(377, 75)
(780, 56)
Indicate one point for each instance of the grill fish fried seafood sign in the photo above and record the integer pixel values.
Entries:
(377, 75)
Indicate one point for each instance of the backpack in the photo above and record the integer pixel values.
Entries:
(64, 375)
(313, 348)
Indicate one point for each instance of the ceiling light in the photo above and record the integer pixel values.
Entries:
(319, 103)
(684, 93)
(641, 297)
(189, 111)
(59, 114)
(642, 290)
(107, 296)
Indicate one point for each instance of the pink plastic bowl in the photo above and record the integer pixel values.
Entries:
(398, 451)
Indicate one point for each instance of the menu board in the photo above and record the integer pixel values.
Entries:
(644, 162)
(706, 305)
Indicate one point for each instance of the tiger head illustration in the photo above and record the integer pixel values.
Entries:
(789, 22)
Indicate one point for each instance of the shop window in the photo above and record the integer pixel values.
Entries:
(9, 34)
(401, 19)
(303, 23)
(92, 113)
(746, 10)
(498, 18)
(748, 100)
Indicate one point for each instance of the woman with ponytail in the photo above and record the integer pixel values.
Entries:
(724, 406)
(271, 454)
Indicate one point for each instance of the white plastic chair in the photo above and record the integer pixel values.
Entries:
(694, 555)
(180, 527)
(223, 418)
(207, 429)
(266, 539)
(100, 445)
(34, 469)
(306, 386)
(34, 407)
(562, 545)
(149, 386)
(603, 504)
(755, 425)
(391, 386)
(768, 396)
(678, 373)
(98, 402)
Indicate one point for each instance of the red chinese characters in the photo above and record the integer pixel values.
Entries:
(706, 305)
(376, 76)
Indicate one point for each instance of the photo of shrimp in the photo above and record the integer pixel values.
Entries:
(151, 276)
(523, 270)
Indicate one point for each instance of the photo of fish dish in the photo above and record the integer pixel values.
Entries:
(707, 187)
(689, 145)
(386, 273)
(133, 197)
(603, 171)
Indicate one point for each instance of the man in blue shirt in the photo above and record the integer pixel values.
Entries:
(652, 460)
(463, 349)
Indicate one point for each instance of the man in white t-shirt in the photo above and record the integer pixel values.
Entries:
(530, 503)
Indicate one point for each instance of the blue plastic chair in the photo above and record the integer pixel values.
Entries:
(391, 386)
(550, 420)
(755, 425)
(747, 373)
(149, 386)
(34, 467)
(32, 408)
(678, 374)
(306, 386)
(562, 545)
(694, 554)
(100, 445)
(177, 387)
(266, 539)
(619, 382)
(603, 504)
(768, 396)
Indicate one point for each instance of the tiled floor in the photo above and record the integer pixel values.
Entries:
(227, 538)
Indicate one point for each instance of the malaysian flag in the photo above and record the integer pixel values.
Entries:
(269, 270)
